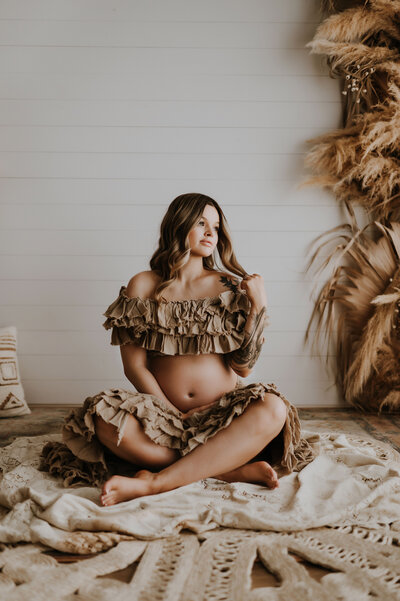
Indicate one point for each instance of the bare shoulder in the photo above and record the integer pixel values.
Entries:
(142, 284)
(229, 281)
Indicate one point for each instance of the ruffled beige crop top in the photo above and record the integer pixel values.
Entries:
(183, 327)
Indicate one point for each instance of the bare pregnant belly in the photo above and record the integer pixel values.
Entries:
(190, 381)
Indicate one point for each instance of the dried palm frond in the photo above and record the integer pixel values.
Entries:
(357, 310)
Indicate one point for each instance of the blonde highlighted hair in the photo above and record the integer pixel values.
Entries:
(173, 246)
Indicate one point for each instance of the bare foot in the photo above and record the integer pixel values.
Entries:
(121, 488)
(257, 472)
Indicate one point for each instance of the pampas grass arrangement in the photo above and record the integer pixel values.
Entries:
(358, 307)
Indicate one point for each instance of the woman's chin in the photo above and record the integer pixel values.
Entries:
(203, 251)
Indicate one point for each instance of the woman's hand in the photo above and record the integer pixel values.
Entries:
(253, 285)
(196, 410)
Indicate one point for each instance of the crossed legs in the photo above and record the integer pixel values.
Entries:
(224, 456)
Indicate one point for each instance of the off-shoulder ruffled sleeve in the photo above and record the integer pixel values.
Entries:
(188, 327)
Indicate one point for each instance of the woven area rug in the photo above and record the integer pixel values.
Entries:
(363, 565)
(201, 541)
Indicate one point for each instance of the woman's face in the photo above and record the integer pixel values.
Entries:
(206, 229)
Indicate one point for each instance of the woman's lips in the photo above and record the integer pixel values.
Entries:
(205, 242)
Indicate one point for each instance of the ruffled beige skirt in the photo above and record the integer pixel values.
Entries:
(81, 459)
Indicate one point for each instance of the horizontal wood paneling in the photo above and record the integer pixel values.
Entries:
(131, 218)
(131, 166)
(170, 140)
(170, 86)
(302, 11)
(128, 61)
(155, 191)
(167, 113)
(135, 34)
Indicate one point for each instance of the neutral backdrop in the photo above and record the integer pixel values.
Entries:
(111, 109)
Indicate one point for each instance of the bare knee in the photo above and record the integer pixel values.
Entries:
(275, 411)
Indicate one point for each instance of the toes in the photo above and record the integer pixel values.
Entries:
(107, 500)
(272, 477)
(109, 486)
(108, 494)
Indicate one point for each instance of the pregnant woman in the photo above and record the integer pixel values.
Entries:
(187, 332)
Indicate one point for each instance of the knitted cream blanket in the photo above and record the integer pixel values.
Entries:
(352, 481)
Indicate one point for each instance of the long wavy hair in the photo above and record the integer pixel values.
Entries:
(173, 246)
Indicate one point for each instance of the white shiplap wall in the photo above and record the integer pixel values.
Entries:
(111, 109)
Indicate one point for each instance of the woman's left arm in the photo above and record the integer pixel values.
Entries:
(243, 359)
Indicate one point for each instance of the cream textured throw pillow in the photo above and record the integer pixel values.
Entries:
(12, 398)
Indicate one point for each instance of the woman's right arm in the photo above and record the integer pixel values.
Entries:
(134, 359)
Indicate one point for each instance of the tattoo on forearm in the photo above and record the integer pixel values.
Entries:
(248, 353)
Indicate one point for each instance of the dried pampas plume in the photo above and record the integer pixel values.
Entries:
(358, 310)
(361, 163)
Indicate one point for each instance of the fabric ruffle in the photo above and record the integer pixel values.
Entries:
(192, 327)
(164, 426)
(59, 461)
